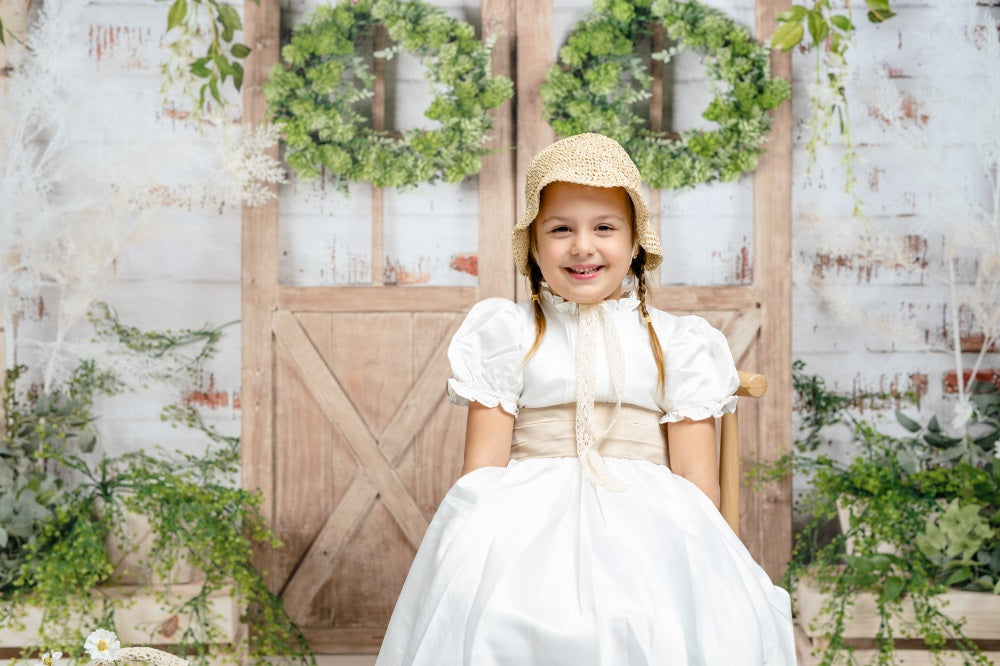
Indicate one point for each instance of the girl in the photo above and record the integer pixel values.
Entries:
(568, 540)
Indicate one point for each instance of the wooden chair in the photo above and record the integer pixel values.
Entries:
(751, 386)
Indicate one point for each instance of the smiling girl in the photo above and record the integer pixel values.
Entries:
(577, 534)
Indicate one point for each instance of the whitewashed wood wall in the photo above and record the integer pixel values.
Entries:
(191, 276)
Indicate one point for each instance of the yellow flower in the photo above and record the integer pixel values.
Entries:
(50, 658)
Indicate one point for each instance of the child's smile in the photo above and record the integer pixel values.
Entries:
(583, 240)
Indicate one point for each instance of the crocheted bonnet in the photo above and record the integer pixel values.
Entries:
(584, 159)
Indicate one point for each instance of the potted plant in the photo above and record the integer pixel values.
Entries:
(923, 519)
(66, 501)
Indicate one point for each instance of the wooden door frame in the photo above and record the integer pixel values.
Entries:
(766, 524)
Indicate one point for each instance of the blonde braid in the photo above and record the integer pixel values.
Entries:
(638, 269)
(535, 278)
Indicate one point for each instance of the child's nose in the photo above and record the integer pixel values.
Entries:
(583, 244)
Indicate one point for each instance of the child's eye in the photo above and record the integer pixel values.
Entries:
(605, 227)
(561, 229)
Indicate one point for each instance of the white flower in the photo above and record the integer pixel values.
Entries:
(102, 645)
(963, 412)
(49, 658)
(996, 450)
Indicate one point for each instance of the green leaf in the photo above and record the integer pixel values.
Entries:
(879, 16)
(237, 72)
(795, 13)
(877, 5)
(894, 586)
(213, 86)
(933, 424)
(962, 574)
(176, 15)
(818, 27)
(907, 422)
(229, 17)
(787, 36)
(199, 69)
(3, 42)
(841, 22)
(240, 50)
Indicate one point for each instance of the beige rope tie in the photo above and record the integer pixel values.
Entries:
(595, 469)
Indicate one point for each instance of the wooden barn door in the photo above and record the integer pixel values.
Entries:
(345, 424)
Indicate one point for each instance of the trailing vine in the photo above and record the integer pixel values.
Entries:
(200, 76)
(598, 78)
(313, 99)
(829, 33)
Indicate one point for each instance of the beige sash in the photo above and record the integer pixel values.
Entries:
(550, 432)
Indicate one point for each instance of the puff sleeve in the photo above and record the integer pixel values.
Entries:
(485, 356)
(701, 375)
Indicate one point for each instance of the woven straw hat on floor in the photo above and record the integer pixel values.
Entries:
(584, 159)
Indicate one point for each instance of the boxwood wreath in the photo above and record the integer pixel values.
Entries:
(314, 98)
(598, 78)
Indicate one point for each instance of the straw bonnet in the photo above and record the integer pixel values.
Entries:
(584, 159)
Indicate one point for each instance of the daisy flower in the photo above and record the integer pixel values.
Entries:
(49, 658)
(102, 645)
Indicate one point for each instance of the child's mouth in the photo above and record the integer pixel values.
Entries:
(583, 272)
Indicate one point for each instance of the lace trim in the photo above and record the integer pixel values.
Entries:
(699, 412)
(587, 441)
(461, 393)
(626, 303)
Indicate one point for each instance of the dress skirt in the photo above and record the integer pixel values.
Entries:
(531, 565)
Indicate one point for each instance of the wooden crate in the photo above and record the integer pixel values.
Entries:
(141, 617)
(981, 611)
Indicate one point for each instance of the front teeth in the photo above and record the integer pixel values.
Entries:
(586, 271)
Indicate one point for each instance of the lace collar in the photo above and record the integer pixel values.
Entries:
(627, 303)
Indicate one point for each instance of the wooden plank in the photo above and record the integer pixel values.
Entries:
(912, 658)
(376, 299)
(338, 408)
(378, 194)
(344, 640)
(420, 403)
(535, 53)
(140, 613)
(497, 186)
(259, 278)
(655, 203)
(771, 508)
(742, 332)
(321, 558)
(980, 611)
(695, 299)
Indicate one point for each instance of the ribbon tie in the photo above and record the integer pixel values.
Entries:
(592, 317)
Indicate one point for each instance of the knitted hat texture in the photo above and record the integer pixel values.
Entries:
(584, 159)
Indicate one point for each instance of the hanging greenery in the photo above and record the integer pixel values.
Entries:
(314, 98)
(599, 77)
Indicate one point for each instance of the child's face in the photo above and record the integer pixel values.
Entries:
(583, 240)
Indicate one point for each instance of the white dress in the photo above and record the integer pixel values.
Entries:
(534, 564)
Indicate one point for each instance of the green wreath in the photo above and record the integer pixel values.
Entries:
(598, 78)
(313, 99)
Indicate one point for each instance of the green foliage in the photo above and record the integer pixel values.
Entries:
(964, 546)
(54, 545)
(825, 27)
(221, 60)
(830, 34)
(313, 98)
(598, 78)
(918, 522)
